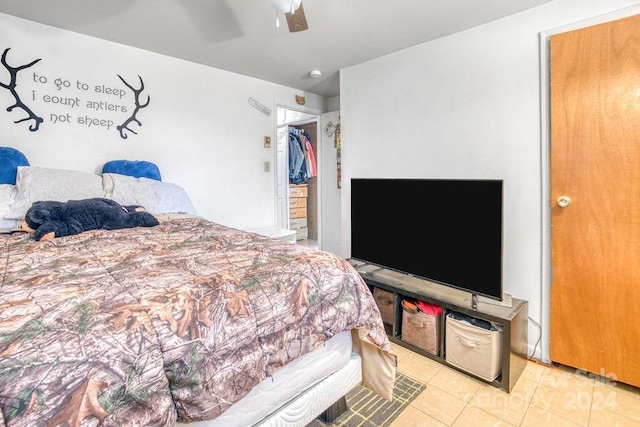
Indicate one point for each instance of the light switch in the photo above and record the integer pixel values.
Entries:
(267, 142)
(267, 166)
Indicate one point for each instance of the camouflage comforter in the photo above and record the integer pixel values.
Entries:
(148, 325)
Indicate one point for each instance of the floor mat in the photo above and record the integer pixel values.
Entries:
(367, 409)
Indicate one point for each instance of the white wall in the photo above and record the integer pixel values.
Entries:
(333, 103)
(465, 106)
(331, 227)
(198, 128)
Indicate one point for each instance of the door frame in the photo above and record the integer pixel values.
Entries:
(316, 113)
(545, 151)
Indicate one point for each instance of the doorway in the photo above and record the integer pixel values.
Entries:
(297, 200)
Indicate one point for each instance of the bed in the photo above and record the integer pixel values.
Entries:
(189, 322)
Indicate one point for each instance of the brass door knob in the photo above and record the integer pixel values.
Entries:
(564, 201)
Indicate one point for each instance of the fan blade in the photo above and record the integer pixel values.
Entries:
(296, 20)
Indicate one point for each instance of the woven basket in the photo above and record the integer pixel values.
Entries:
(384, 301)
(421, 330)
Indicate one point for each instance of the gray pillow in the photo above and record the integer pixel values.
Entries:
(155, 196)
(7, 194)
(34, 183)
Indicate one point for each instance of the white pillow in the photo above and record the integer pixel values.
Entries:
(35, 183)
(7, 194)
(156, 197)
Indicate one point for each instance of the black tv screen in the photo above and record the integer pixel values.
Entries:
(447, 231)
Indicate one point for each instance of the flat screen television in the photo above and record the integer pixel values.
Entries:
(447, 231)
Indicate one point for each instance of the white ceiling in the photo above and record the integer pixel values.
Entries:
(241, 36)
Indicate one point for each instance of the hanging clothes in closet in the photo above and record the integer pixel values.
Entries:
(310, 157)
(302, 161)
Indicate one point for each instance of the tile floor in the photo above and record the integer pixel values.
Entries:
(543, 396)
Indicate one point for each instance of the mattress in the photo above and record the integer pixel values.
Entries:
(313, 402)
(299, 375)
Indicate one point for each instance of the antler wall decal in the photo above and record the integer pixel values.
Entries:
(11, 87)
(125, 126)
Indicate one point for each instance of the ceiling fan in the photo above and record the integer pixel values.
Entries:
(294, 12)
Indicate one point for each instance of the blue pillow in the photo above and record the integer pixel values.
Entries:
(10, 159)
(134, 168)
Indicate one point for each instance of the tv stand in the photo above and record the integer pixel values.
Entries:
(507, 300)
(513, 318)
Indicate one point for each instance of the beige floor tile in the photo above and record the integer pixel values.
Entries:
(400, 350)
(533, 371)
(537, 418)
(570, 403)
(604, 418)
(557, 396)
(611, 397)
(439, 405)
(455, 383)
(472, 416)
(412, 417)
(524, 389)
(509, 407)
(618, 398)
(564, 378)
(419, 367)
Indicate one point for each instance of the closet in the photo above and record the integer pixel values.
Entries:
(298, 199)
(303, 191)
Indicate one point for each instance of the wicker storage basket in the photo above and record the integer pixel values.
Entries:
(422, 330)
(385, 301)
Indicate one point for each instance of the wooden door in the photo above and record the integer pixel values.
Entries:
(595, 161)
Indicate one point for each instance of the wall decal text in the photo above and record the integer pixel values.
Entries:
(73, 101)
